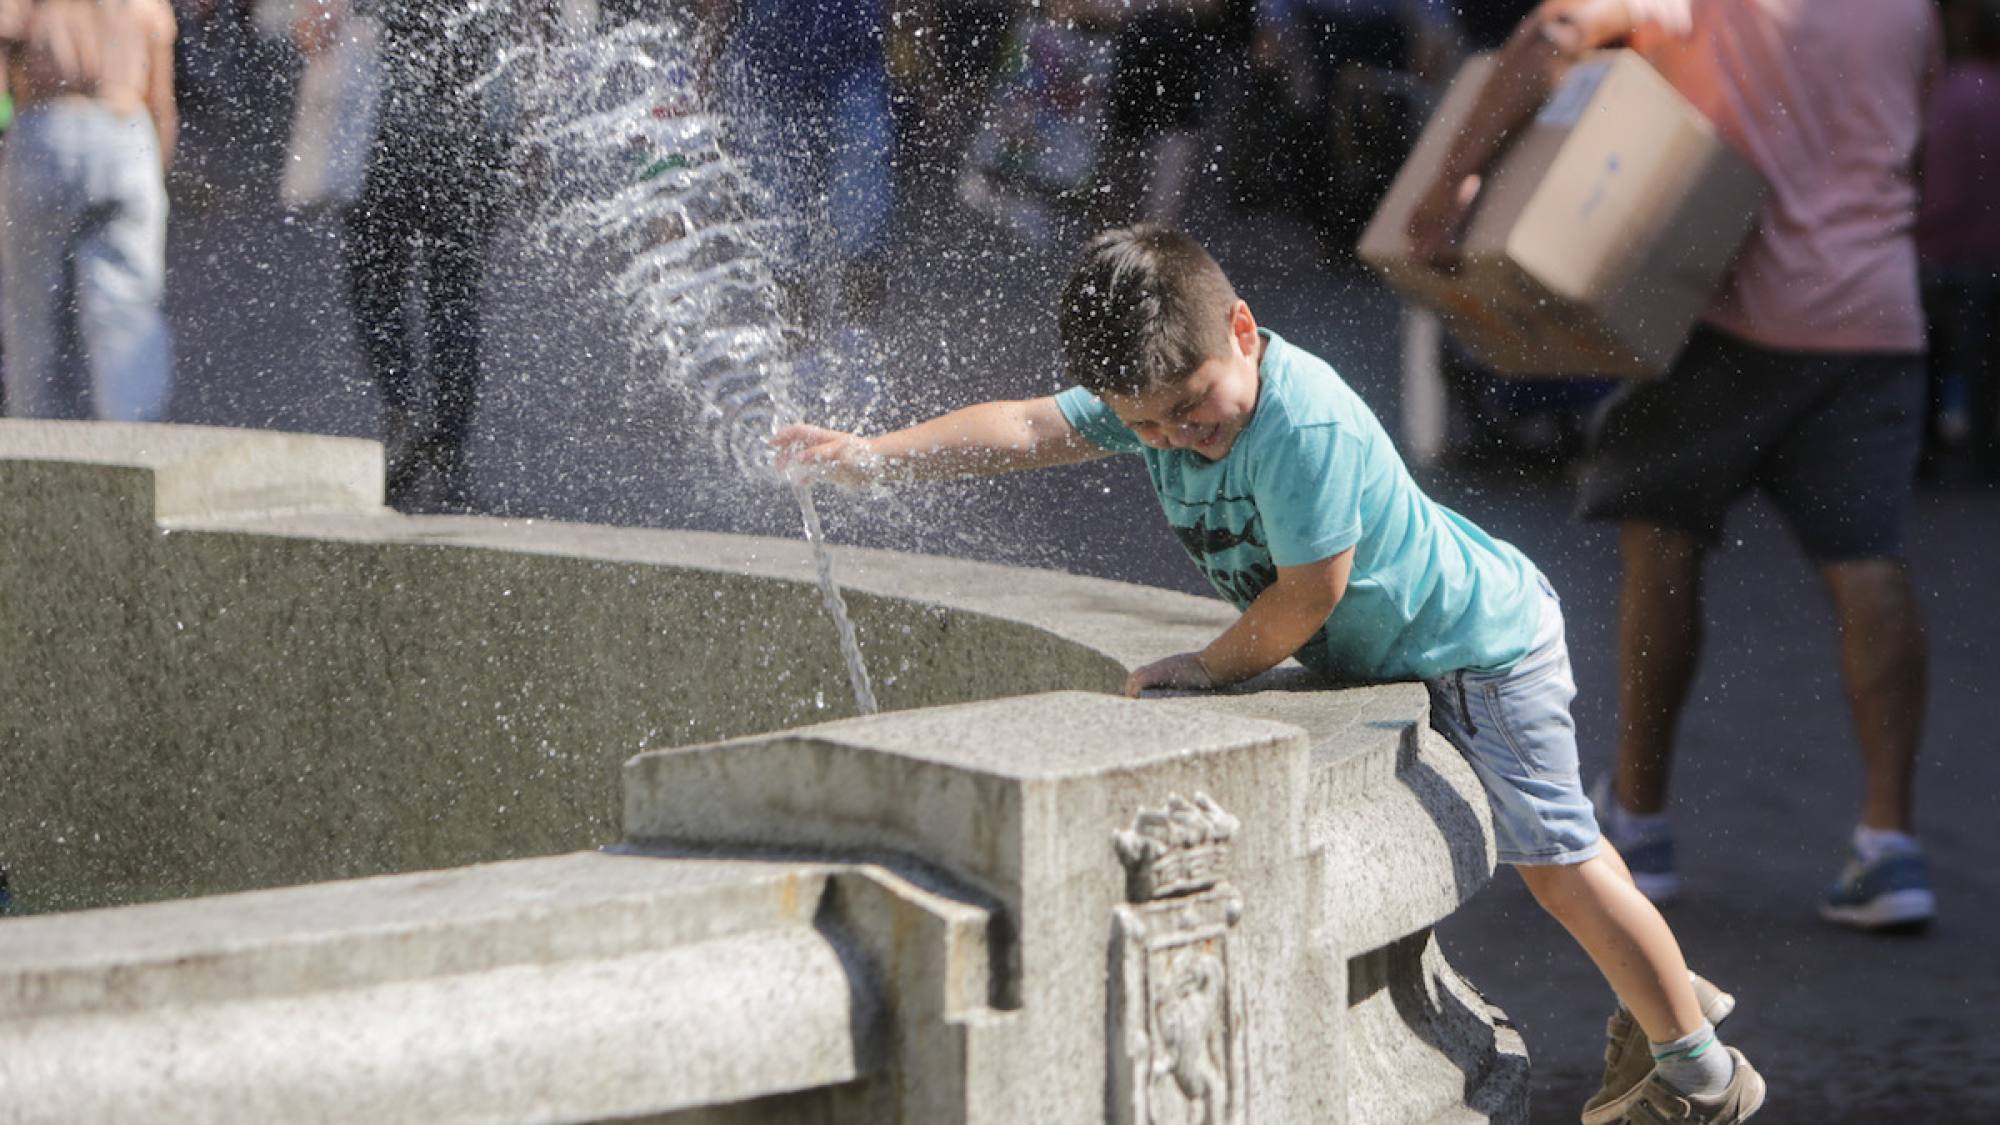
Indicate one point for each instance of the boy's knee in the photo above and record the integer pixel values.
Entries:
(1558, 887)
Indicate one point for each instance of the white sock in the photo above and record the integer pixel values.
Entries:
(1874, 843)
(1696, 1063)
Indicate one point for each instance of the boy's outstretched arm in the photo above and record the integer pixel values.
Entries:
(992, 437)
(1283, 617)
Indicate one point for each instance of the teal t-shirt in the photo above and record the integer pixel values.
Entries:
(1310, 476)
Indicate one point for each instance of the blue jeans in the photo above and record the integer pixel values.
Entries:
(1515, 730)
(85, 229)
(824, 150)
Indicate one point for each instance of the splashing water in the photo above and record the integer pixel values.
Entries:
(652, 187)
(829, 592)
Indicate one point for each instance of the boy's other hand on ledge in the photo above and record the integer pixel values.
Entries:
(1183, 671)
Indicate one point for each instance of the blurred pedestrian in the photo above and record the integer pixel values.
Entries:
(943, 58)
(430, 203)
(1806, 382)
(13, 20)
(815, 75)
(83, 190)
(1037, 152)
(1958, 237)
(1167, 56)
(333, 116)
(1365, 69)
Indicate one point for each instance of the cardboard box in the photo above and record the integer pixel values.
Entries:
(1599, 235)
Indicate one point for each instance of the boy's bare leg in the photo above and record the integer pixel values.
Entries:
(1883, 661)
(1659, 642)
(1625, 936)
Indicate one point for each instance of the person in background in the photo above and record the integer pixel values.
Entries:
(431, 201)
(1525, 424)
(1805, 381)
(1958, 237)
(1167, 56)
(815, 74)
(13, 19)
(943, 58)
(83, 194)
(1359, 64)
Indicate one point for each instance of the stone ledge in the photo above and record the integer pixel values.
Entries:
(359, 932)
(1343, 855)
(563, 1041)
(201, 472)
(353, 1001)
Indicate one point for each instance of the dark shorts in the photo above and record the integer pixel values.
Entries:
(1831, 437)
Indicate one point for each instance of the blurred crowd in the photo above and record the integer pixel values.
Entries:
(1045, 118)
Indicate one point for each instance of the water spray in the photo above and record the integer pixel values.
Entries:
(653, 185)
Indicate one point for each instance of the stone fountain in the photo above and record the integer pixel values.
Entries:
(317, 812)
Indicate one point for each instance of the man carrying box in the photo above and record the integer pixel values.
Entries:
(1805, 379)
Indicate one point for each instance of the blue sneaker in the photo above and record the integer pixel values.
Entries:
(1648, 854)
(1892, 893)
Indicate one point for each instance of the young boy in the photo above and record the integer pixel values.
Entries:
(1290, 498)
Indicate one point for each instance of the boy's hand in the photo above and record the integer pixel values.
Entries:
(1183, 671)
(818, 453)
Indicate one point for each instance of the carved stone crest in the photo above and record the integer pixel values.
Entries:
(1177, 1003)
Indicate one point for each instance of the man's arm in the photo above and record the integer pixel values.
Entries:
(992, 437)
(1282, 618)
(160, 85)
(1531, 65)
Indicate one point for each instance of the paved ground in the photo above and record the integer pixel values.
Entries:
(1848, 1028)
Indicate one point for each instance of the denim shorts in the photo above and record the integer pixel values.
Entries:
(1515, 730)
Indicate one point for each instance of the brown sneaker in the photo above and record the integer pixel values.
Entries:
(1628, 1058)
(1653, 1102)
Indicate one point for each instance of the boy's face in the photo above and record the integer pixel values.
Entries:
(1207, 410)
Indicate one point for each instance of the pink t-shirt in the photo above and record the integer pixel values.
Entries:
(1826, 98)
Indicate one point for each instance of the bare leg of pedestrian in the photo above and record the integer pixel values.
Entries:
(1886, 885)
(1884, 663)
(1659, 645)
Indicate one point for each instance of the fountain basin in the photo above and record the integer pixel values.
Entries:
(629, 849)
(235, 669)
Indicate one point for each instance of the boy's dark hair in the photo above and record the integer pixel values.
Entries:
(1144, 306)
